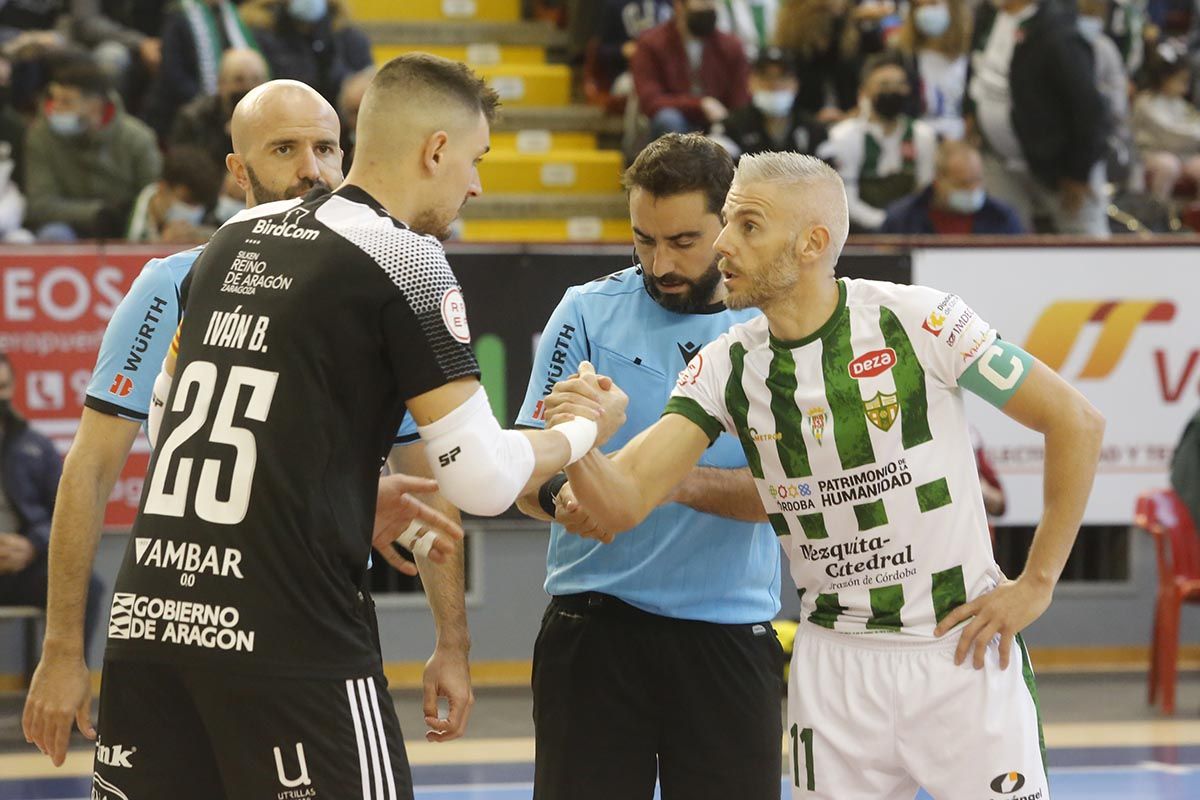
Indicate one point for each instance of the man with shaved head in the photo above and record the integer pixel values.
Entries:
(285, 144)
(204, 122)
(312, 325)
(846, 396)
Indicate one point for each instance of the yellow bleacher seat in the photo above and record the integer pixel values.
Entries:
(473, 54)
(576, 229)
(542, 141)
(558, 171)
(529, 84)
(435, 10)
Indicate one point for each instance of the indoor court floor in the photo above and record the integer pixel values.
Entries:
(1104, 743)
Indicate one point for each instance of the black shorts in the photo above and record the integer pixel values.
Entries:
(182, 733)
(622, 697)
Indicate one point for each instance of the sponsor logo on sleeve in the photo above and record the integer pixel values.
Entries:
(121, 386)
(454, 314)
(691, 373)
(558, 357)
(938, 316)
(960, 325)
(141, 340)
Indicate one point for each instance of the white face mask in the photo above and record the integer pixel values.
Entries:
(1090, 27)
(307, 10)
(65, 123)
(226, 208)
(966, 201)
(185, 212)
(932, 20)
(774, 103)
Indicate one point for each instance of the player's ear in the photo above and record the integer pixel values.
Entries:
(434, 151)
(237, 168)
(813, 244)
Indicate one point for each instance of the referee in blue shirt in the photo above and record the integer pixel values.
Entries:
(656, 656)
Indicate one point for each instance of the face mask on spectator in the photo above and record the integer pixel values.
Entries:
(226, 208)
(307, 10)
(774, 103)
(889, 105)
(1090, 27)
(932, 20)
(232, 100)
(185, 212)
(701, 23)
(965, 201)
(65, 123)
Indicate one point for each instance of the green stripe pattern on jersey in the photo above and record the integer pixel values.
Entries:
(852, 438)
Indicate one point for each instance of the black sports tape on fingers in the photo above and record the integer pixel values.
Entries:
(549, 492)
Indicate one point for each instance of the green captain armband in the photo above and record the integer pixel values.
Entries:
(998, 373)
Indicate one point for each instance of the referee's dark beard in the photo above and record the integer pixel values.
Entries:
(697, 297)
(298, 189)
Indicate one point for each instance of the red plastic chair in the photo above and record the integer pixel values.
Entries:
(1163, 515)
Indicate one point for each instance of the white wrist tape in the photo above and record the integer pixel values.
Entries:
(158, 406)
(581, 435)
(478, 466)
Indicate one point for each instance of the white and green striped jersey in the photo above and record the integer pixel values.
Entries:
(858, 441)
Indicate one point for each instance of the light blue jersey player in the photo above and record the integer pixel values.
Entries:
(674, 624)
(691, 565)
(138, 337)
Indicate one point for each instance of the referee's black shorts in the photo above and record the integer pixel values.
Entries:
(621, 695)
(190, 734)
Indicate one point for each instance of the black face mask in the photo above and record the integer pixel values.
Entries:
(890, 105)
(231, 102)
(701, 24)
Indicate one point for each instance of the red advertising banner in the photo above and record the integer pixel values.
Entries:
(54, 305)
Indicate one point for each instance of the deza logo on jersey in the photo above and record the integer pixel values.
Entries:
(288, 227)
(868, 365)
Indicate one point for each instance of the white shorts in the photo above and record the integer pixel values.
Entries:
(876, 720)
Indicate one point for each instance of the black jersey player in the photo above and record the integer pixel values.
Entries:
(243, 657)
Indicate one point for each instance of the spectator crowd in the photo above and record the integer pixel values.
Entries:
(942, 116)
(114, 114)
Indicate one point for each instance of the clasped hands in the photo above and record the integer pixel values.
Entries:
(596, 397)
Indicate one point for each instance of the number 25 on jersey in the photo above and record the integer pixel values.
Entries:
(200, 378)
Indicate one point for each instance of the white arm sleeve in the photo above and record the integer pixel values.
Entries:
(478, 466)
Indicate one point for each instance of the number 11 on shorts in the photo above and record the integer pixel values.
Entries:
(805, 736)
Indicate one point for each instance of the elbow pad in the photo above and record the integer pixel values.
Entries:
(158, 406)
(478, 466)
